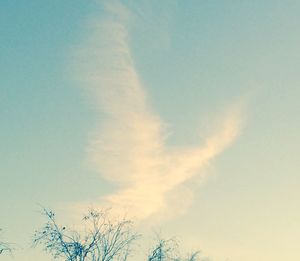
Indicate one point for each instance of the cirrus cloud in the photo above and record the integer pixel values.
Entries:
(130, 148)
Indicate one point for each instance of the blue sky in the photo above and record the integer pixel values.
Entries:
(194, 60)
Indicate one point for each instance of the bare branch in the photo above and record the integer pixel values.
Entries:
(167, 250)
(5, 247)
(102, 239)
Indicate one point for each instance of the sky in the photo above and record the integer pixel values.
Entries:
(181, 113)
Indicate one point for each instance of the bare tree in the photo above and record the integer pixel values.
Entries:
(167, 250)
(101, 240)
(164, 250)
(5, 247)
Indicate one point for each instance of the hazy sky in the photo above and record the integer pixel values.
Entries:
(187, 111)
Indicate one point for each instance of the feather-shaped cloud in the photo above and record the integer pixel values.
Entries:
(130, 148)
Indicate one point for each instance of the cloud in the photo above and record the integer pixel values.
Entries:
(130, 147)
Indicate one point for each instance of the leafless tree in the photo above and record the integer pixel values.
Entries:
(5, 247)
(167, 250)
(164, 250)
(101, 239)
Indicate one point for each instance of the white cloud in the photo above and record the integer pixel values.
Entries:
(130, 148)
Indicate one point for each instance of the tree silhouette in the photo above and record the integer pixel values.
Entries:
(100, 240)
(167, 250)
(4, 247)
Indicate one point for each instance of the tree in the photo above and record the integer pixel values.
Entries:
(101, 239)
(5, 247)
(164, 250)
(167, 250)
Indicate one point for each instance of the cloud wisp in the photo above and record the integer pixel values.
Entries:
(130, 148)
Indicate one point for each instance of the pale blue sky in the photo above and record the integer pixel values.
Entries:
(195, 58)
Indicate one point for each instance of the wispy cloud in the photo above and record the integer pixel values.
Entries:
(130, 147)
